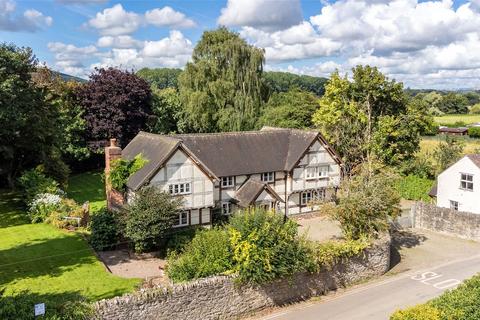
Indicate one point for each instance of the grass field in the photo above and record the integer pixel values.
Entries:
(52, 265)
(88, 186)
(428, 144)
(452, 118)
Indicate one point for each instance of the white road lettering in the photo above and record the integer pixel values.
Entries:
(447, 284)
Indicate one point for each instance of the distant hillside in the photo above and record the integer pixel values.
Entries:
(68, 77)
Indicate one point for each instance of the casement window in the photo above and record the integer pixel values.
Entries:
(454, 205)
(466, 181)
(268, 177)
(182, 219)
(226, 208)
(313, 195)
(316, 172)
(179, 188)
(227, 182)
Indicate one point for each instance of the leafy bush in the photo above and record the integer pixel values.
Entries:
(327, 254)
(413, 187)
(122, 169)
(57, 169)
(475, 109)
(20, 306)
(104, 231)
(42, 206)
(208, 254)
(34, 182)
(180, 239)
(420, 312)
(462, 303)
(474, 132)
(149, 217)
(447, 153)
(265, 247)
(366, 201)
(67, 208)
(420, 166)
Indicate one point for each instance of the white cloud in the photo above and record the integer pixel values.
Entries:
(123, 42)
(268, 15)
(31, 20)
(69, 58)
(81, 2)
(115, 21)
(167, 17)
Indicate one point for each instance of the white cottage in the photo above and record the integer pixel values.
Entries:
(458, 187)
(280, 169)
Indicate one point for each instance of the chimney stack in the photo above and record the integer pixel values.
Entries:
(112, 152)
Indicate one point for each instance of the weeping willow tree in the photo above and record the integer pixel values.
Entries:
(222, 88)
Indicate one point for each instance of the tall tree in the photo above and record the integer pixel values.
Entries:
(160, 78)
(117, 104)
(222, 88)
(291, 109)
(284, 81)
(29, 131)
(366, 118)
(167, 109)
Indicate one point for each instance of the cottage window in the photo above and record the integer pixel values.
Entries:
(311, 195)
(226, 208)
(179, 188)
(227, 182)
(182, 219)
(466, 181)
(317, 172)
(268, 177)
(454, 205)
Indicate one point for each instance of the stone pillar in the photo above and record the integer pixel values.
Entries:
(114, 197)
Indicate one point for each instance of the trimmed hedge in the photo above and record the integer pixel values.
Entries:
(462, 303)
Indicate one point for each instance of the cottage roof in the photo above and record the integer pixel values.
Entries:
(225, 154)
(250, 190)
(475, 158)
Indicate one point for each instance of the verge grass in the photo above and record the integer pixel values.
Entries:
(88, 186)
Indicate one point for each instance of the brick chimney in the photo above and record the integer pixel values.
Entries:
(114, 197)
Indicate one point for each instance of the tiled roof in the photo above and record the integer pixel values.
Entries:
(475, 158)
(250, 190)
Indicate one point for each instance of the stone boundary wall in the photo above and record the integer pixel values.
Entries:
(457, 223)
(221, 298)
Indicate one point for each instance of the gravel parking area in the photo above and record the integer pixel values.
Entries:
(318, 228)
(124, 264)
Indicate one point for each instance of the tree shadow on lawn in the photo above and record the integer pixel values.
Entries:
(403, 239)
(11, 210)
(52, 257)
(64, 305)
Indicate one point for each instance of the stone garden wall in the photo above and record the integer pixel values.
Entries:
(222, 298)
(461, 224)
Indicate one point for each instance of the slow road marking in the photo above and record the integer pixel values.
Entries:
(427, 278)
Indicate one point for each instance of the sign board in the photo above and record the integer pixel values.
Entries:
(39, 309)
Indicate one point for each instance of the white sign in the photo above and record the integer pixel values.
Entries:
(39, 309)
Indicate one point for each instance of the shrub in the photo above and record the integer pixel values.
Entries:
(34, 182)
(413, 187)
(104, 231)
(42, 206)
(122, 169)
(462, 303)
(208, 254)
(180, 239)
(149, 217)
(420, 312)
(265, 247)
(327, 254)
(58, 170)
(475, 109)
(474, 132)
(67, 208)
(366, 202)
(420, 166)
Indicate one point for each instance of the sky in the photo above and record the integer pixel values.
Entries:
(425, 44)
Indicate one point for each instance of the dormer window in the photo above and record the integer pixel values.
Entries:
(227, 182)
(466, 181)
(268, 177)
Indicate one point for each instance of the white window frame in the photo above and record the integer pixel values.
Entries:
(309, 195)
(317, 172)
(466, 181)
(454, 205)
(226, 208)
(227, 182)
(268, 176)
(180, 188)
(181, 220)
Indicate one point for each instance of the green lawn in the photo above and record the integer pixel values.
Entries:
(43, 263)
(88, 186)
(452, 118)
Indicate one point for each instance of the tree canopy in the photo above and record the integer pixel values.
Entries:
(284, 81)
(117, 104)
(160, 78)
(222, 88)
(291, 109)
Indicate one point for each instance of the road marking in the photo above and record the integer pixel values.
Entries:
(427, 276)
(447, 284)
